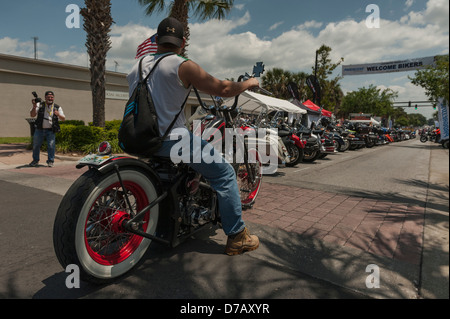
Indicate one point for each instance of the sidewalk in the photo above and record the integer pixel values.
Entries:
(17, 155)
(342, 234)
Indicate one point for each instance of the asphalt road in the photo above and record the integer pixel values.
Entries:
(198, 269)
(399, 170)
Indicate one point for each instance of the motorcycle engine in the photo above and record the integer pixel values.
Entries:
(197, 216)
(196, 205)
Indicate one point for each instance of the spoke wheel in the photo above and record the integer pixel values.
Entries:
(88, 229)
(249, 189)
(106, 240)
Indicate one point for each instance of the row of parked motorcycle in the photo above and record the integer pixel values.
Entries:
(433, 136)
(298, 143)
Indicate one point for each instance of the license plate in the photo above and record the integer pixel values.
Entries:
(95, 159)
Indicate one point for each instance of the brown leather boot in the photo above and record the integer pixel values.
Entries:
(241, 243)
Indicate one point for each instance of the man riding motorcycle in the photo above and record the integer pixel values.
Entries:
(169, 85)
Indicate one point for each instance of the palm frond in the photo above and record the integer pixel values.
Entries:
(153, 6)
(211, 9)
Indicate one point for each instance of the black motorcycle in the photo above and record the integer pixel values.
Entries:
(113, 212)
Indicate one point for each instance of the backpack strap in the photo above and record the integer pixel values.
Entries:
(153, 69)
(169, 129)
(146, 79)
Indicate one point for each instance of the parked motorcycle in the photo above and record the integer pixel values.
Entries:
(366, 134)
(109, 217)
(356, 140)
(269, 123)
(433, 136)
(294, 144)
(312, 143)
(331, 139)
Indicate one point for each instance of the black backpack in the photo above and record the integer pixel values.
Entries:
(139, 132)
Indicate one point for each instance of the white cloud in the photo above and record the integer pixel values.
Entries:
(311, 25)
(125, 40)
(72, 57)
(436, 13)
(225, 53)
(230, 53)
(359, 44)
(275, 26)
(15, 47)
(409, 3)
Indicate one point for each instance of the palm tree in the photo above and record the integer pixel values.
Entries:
(97, 24)
(277, 81)
(333, 95)
(179, 9)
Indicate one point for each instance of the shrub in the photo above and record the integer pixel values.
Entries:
(72, 122)
(113, 125)
(75, 137)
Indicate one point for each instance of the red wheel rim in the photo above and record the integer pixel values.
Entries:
(106, 241)
(243, 177)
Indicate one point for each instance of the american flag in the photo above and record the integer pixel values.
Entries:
(149, 46)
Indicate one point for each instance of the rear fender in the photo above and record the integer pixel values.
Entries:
(120, 162)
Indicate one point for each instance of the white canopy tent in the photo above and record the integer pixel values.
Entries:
(254, 103)
(371, 121)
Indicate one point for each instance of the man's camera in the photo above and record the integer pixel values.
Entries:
(36, 98)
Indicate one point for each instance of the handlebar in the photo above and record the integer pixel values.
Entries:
(236, 99)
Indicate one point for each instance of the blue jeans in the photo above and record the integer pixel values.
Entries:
(38, 139)
(220, 174)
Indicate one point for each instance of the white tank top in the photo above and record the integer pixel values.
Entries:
(166, 88)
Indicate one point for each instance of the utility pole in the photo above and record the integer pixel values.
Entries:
(35, 47)
(117, 65)
(315, 72)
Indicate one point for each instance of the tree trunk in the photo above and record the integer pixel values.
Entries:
(180, 11)
(97, 24)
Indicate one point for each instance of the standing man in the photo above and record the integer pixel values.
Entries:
(47, 124)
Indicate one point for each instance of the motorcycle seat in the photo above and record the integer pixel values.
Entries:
(156, 159)
(304, 131)
(283, 133)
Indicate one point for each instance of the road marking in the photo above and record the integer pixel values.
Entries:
(301, 169)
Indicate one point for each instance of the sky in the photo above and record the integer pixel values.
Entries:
(282, 34)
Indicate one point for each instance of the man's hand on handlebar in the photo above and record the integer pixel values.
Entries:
(253, 83)
(257, 88)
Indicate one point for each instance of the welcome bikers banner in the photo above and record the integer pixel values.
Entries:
(388, 67)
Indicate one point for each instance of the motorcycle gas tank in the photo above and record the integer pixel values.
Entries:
(283, 133)
(215, 128)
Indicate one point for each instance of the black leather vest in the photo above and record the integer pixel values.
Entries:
(40, 118)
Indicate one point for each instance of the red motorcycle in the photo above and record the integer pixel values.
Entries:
(294, 145)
